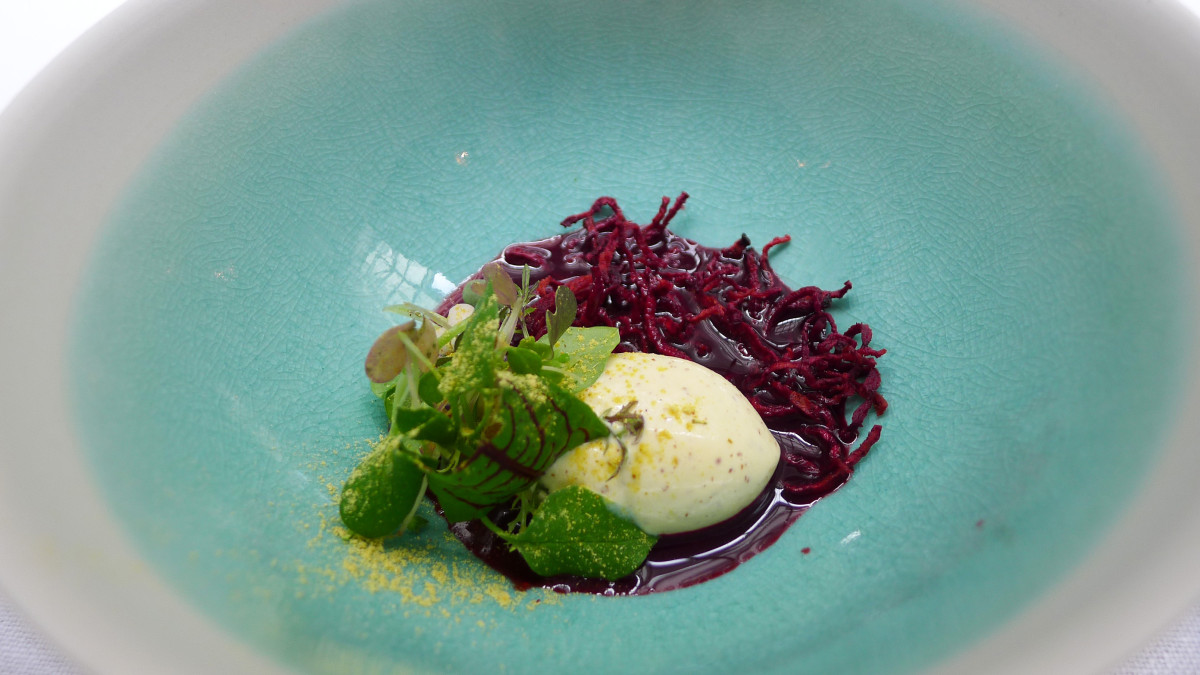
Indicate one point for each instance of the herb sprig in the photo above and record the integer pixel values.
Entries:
(476, 420)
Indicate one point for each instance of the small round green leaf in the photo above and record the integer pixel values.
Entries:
(427, 389)
(381, 492)
(502, 285)
(524, 361)
(541, 348)
(575, 532)
(565, 308)
(473, 291)
(426, 340)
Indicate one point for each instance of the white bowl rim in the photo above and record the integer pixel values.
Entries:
(67, 130)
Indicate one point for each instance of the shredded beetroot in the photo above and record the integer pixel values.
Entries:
(668, 295)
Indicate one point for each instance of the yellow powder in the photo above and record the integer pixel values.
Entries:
(416, 572)
(423, 573)
(500, 595)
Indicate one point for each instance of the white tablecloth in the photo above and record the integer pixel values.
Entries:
(25, 651)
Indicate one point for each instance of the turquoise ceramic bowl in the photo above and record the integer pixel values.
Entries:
(203, 225)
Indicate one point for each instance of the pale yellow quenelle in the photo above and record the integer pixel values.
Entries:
(703, 455)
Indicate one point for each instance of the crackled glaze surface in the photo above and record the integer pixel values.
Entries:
(1006, 244)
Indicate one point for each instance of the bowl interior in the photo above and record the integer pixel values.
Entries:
(1007, 243)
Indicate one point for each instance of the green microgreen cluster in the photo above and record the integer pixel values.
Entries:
(476, 420)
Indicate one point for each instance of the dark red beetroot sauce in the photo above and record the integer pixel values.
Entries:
(727, 310)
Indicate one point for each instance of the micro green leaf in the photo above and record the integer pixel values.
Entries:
(542, 349)
(558, 321)
(422, 344)
(381, 492)
(389, 403)
(389, 354)
(524, 361)
(552, 376)
(473, 291)
(427, 342)
(627, 420)
(426, 424)
(575, 532)
(407, 419)
(439, 430)
(456, 510)
(384, 389)
(587, 351)
(523, 299)
(503, 287)
(475, 360)
(397, 346)
(417, 312)
(416, 524)
(427, 389)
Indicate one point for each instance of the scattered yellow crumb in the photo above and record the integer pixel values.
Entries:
(418, 572)
(500, 595)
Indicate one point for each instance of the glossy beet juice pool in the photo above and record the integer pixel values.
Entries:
(728, 311)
